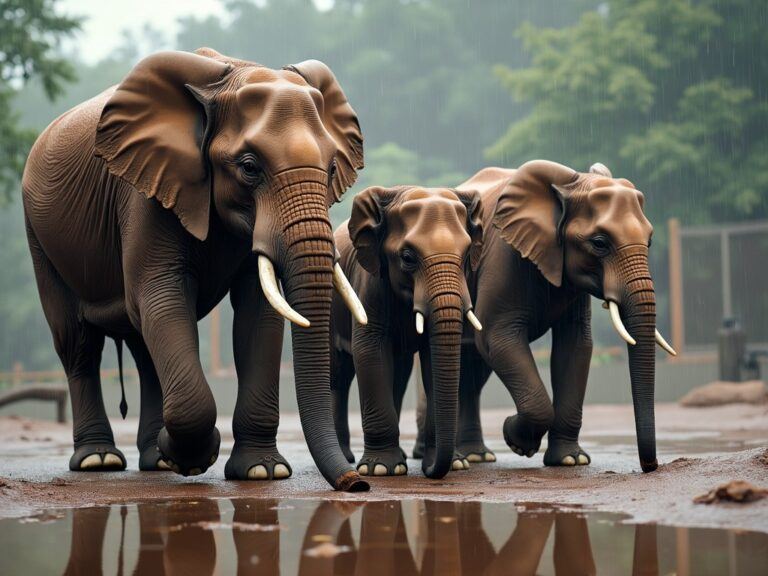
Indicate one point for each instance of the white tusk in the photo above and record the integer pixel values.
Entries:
(269, 286)
(348, 295)
(419, 323)
(613, 308)
(474, 321)
(664, 344)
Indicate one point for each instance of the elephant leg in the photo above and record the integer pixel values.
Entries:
(474, 375)
(459, 460)
(151, 407)
(402, 373)
(342, 374)
(189, 440)
(509, 355)
(79, 346)
(374, 366)
(258, 343)
(571, 355)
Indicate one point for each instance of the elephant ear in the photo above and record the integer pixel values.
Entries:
(531, 211)
(367, 225)
(339, 120)
(472, 200)
(152, 130)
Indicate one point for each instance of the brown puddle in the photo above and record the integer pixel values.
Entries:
(400, 538)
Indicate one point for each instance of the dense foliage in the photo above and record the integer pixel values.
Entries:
(671, 94)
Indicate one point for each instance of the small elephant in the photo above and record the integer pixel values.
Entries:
(553, 237)
(198, 175)
(406, 251)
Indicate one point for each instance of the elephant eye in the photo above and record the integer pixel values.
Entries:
(600, 245)
(332, 170)
(250, 169)
(408, 259)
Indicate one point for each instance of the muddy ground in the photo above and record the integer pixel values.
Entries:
(698, 449)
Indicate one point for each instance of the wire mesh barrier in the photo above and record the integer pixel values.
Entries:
(718, 272)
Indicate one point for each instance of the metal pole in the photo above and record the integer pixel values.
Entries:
(725, 263)
(676, 286)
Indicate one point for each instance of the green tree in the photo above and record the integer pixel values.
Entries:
(30, 31)
(668, 93)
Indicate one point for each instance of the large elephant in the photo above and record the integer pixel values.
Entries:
(199, 174)
(554, 237)
(407, 251)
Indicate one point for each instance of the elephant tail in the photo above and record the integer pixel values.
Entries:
(123, 403)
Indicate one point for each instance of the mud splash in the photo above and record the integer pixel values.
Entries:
(315, 537)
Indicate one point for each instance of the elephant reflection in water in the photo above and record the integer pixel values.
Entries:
(450, 539)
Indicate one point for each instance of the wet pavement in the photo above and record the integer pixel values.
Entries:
(316, 537)
(607, 515)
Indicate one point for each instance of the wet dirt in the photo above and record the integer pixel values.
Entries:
(698, 450)
(268, 536)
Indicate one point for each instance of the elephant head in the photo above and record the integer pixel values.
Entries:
(260, 154)
(422, 241)
(588, 231)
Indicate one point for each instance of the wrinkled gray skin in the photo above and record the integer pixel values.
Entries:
(405, 250)
(147, 204)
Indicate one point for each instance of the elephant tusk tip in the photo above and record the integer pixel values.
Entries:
(664, 344)
(347, 293)
(474, 321)
(419, 323)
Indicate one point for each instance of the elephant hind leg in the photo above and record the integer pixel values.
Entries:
(79, 345)
(151, 407)
(343, 372)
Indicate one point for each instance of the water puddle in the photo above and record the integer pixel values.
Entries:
(306, 537)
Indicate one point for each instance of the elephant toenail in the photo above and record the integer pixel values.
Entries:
(281, 471)
(465, 463)
(162, 465)
(400, 469)
(457, 465)
(379, 470)
(363, 470)
(258, 473)
(490, 457)
(90, 462)
(195, 471)
(475, 458)
(569, 461)
(583, 460)
(112, 460)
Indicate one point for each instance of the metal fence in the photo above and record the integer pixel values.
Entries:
(717, 272)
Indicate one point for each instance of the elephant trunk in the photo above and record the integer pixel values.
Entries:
(638, 311)
(307, 269)
(444, 282)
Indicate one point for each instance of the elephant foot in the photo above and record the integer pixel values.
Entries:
(476, 452)
(99, 457)
(523, 437)
(387, 462)
(191, 459)
(565, 453)
(256, 464)
(151, 461)
(459, 461)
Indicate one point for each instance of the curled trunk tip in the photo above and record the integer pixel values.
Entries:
(351, 482)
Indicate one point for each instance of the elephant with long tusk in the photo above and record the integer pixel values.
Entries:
(553, 237)
(407, 252)
(197, 175)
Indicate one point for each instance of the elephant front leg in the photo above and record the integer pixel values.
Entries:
(571, 355)
(509, 355)
(469, 439)
(258, 344)
(189, 440)
(374, 366)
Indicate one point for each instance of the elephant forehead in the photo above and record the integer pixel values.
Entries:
(434, 223)
(619, 212)
(279, 96)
